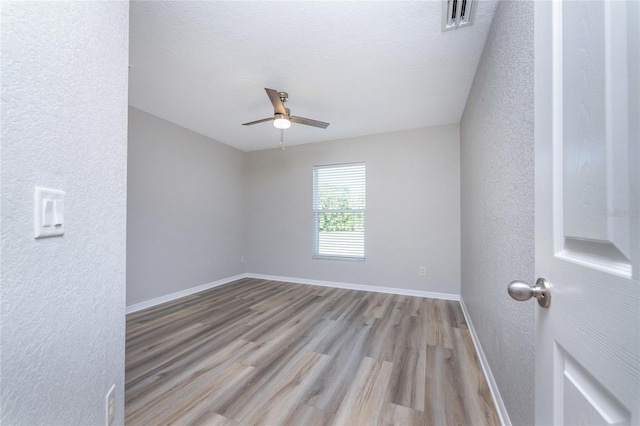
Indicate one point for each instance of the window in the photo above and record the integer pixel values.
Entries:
(338, 211)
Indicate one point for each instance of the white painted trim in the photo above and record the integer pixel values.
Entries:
(493, 387)
(361, 287)
(390, 290)
(183, 293)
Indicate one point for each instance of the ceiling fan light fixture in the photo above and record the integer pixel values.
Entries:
(281, 122)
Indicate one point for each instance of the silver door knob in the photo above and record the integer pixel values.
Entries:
(522, 291)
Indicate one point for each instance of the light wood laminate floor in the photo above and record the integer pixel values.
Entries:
(273, 353)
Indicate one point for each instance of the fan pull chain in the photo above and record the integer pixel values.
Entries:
(282, 139)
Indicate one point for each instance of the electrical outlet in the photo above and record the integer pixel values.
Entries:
(242, 259)
(111, 405)
(422, 271)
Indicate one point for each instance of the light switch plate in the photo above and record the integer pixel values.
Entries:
(48, 212)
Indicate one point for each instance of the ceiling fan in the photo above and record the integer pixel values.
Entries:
(282, 117)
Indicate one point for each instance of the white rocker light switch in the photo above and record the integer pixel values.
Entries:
(48, 212)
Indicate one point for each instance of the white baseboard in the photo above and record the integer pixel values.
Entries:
(183, 293)
(493, 387)
(362, 287)
(389, 290)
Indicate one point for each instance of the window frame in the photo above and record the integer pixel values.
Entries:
(316, 214)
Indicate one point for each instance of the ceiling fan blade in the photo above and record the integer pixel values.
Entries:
(309, 122)
(274, 96)
(264, 120)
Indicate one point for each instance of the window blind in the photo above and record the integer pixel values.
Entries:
(339, 201)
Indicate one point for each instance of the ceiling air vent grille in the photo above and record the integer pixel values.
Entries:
(457, 13)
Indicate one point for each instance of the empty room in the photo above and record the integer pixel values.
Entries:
(320, 213)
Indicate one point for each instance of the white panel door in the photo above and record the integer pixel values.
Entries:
(587, 211)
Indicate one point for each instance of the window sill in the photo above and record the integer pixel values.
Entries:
(348, 259)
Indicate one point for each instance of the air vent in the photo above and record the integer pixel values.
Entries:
(458, 13)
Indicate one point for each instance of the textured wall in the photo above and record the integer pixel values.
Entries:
(186, 210)
(412, 219)
(64, 125)
(497, 191)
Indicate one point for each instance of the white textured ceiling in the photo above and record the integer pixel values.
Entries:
(365, 67)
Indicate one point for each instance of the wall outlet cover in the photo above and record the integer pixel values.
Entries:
(111, 405)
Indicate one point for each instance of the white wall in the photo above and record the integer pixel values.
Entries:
(412, 219)
(497, 185)
(64, 124)
(186, 209)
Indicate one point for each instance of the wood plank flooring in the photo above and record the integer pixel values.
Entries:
(271, 353)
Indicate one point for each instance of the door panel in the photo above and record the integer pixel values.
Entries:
(585, 400)
(593, 133)
(588, 340)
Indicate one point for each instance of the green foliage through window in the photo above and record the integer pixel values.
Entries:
(337, 198)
